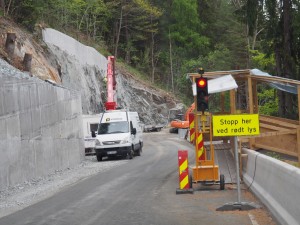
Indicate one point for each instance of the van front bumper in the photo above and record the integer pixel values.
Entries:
(113, 152)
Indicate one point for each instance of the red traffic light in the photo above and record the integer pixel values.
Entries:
(201, 82)
(202, 94)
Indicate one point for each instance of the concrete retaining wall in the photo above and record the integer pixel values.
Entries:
(40, 129)
(84, 54)
(276, 183)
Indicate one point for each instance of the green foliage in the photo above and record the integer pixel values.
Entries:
(274, 155)
(185, 28)
(262, 60)
(27, 12)
(219, 59)
(267, 101)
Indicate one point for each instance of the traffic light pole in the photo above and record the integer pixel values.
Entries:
(237, 205)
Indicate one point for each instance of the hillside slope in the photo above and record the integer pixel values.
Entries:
(56, 62)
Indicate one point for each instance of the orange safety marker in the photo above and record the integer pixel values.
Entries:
(200, 147)
(183, 169)
(192, 127)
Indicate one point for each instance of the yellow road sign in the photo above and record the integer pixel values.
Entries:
(235, 125)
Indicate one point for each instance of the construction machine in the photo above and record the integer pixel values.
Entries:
(182, 121)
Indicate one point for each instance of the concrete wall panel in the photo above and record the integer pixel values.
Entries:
(13, 126)
(25, 124)
(3, 129)
(34, 97)
(15, 172)
(36, 123)
(39, 130)
(4, 162)
(1, 100)
(10, 102)
(276, 183)
(24, 97)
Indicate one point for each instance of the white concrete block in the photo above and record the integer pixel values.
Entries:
(276, 183)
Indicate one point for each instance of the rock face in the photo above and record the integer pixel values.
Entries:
(63, 60)
(84, 69)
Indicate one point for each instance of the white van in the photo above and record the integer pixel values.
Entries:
(119, 134)
(90, 124)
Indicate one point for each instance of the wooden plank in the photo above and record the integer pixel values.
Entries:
(278, 122)
(298, 90)
(250, 91)
(282, 80)
(245, 74)
(222, 99)
(298, 144)
(245, 139)
(255, 97)
(251, 107)
(271, 127)
(225, 160)
(276, 133)
(279, 150)
(216, 74)
(232, 102)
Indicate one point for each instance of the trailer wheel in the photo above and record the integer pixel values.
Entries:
(222, 182)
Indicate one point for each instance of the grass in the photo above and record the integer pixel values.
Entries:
(283, 159)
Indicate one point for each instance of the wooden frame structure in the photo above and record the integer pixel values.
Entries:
(276, 134)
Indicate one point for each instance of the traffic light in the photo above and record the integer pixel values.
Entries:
(202, 94)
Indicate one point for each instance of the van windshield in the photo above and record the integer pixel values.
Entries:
(113, 127)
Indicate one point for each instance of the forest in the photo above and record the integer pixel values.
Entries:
(165, 40)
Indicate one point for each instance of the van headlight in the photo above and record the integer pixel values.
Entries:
(98, 142)
(125, 140)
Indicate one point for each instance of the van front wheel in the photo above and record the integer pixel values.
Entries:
(99, 158)
(130, 154)
(139, 151)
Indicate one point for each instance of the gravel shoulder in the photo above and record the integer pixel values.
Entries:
(22, 195)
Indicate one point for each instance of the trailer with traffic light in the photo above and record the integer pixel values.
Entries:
(205, 170)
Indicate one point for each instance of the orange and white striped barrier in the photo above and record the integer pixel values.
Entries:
(183, 169)
(192, 127)
(200, 147)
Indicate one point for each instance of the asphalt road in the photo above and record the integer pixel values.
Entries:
(142, 191)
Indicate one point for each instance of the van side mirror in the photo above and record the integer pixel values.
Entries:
(133, 131)
(93, 133)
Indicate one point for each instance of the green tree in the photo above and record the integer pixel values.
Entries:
(267, 101)
(277, 38)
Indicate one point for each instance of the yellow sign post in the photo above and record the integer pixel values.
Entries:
(236, 125)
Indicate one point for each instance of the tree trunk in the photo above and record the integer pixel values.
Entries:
(94, 27)
(152, 57)
(82, 18)
(281, 100)
(118, 33)
(2, 5)
(287, 57)
(128, 44)
(10, 44)
(171, 63)
(8, 7)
